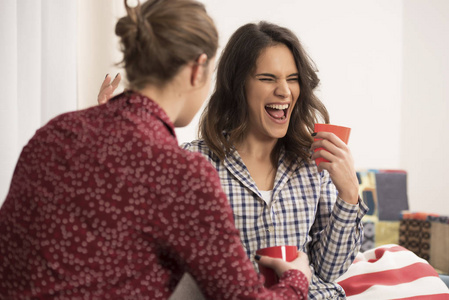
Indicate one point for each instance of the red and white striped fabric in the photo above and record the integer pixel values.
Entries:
(392, 272)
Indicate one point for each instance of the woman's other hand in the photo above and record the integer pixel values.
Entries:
(301, 263)
(108, 88)
(340, 166)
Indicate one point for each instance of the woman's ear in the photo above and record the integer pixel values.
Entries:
(199, 70)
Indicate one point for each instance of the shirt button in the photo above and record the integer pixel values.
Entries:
(270, 228)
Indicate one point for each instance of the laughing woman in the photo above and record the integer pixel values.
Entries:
(257, 132)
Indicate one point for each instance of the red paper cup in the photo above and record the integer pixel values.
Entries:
(287, 253)
(340, 131)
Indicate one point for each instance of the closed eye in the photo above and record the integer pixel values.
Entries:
(270, 77)
(266, 79)
(293, 77)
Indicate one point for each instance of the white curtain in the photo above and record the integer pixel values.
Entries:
(38, 72)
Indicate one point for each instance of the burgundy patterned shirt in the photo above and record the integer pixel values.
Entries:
(105, 204)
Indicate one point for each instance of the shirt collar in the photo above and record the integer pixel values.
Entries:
(149, 105)
(234, 163)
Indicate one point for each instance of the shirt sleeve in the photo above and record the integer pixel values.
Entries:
(336, 233)
(207, 244)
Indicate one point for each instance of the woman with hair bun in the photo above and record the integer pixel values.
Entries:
(105, 204)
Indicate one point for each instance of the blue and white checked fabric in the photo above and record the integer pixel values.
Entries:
(305, 211)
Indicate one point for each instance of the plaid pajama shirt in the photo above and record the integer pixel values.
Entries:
(305, 211)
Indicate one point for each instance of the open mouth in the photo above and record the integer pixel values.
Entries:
(277, 111)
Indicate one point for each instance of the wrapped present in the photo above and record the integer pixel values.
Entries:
(385, 194)
(387, 232)
(427, 235)
(388, 220)
(391, 189)
(439, 246)
(377, 233)
(369, 229)
(414, 234)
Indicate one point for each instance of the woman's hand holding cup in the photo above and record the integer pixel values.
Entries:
(281, 259)
(332, 154)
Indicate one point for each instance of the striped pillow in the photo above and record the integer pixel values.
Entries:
(392, 272)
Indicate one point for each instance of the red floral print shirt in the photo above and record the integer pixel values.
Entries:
(104, 204)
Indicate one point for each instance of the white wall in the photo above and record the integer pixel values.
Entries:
(371, 60)
(38, 72)
(98, 48)
(8, 109)
(382, 63)
(383, 67)
(425, 104)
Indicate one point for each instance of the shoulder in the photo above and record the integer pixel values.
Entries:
(200, 146)
(197, 180)
(60, 127)
(190, 155)
(196, 146)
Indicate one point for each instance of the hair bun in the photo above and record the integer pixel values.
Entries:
(132, 3)
(159, 36)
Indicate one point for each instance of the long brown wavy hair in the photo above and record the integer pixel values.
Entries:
(225, 118)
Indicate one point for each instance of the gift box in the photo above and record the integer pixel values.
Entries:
(385, 194)
(427, 235)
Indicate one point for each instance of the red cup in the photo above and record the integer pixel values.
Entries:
(287, 253)
(340, 131)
